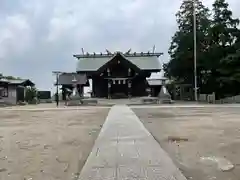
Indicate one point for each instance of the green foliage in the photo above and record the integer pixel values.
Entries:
(230, 72)
(31, 95)
(11, 78)
(218, 45)
(224, 29)
(224, 35)
(181, 50)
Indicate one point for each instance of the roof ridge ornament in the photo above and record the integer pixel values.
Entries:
(108, 52)
(128, 52)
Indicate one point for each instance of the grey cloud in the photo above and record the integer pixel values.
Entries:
(54, 30)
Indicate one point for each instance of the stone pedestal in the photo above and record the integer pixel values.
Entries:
(164, 96)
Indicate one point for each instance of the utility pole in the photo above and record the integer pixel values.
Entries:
(195, 50)
(57, 84)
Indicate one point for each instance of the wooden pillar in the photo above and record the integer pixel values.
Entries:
(153, 92)
(93, 88)
(64, 94)
(57, 91)
(109, 89)
(80, 90)
(129, 88)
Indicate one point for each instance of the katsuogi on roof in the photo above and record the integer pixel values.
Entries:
(144, 61)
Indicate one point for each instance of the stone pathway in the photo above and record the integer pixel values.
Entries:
(125, 150)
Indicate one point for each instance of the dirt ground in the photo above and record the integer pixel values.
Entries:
(199, 140)
(47, 144)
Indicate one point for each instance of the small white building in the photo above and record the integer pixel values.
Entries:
(156, 84)
(13, 91)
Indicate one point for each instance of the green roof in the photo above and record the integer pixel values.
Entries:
(18, 82)
(91, 64)
(146, 63)
(94, 63)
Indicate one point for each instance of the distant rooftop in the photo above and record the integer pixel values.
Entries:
(72, 78)
(26, 82)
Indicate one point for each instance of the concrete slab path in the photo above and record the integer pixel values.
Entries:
(125, 150)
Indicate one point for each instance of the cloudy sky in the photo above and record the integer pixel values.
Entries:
(39, 36)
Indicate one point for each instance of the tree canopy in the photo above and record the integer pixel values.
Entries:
(9, 77)
(218, 45)
(31, 95)
(181, 64)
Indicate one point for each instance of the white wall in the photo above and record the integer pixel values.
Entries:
(12, 95)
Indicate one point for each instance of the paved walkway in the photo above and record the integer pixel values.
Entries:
(125, 150)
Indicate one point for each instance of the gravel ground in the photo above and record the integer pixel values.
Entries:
(199, 140)
(50, 145)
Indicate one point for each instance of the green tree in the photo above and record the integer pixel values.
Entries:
(181, 65)
(224, 29)
(230, 75)
(224, 40)
(11, 77)
(31, 95)
(218, 41)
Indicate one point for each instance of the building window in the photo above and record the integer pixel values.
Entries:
(4, 92)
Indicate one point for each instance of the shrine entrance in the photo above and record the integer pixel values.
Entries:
(119, 88)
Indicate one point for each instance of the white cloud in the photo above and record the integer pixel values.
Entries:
(15, 36)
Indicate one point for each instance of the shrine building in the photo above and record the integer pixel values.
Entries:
(118, 75)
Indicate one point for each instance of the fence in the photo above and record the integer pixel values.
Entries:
(210, 98)
(230, 100)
